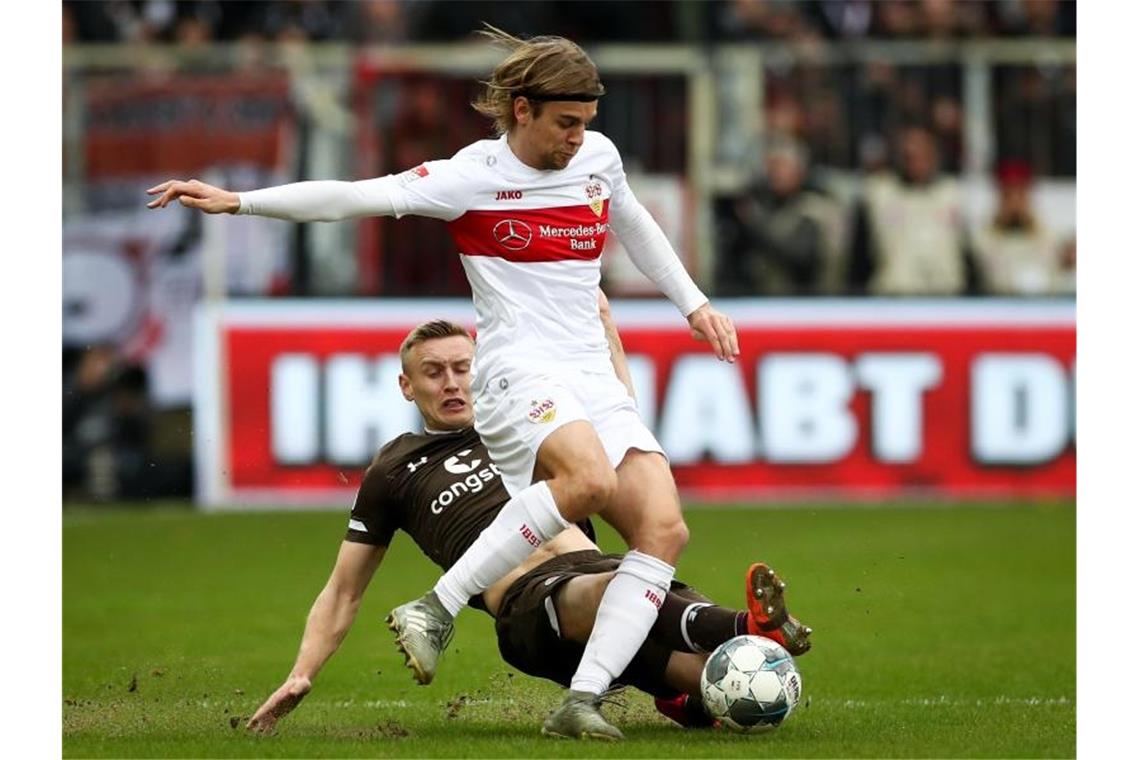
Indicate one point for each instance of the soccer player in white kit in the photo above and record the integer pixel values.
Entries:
(529, 213)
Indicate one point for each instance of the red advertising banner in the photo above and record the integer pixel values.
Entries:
(181, 124)
(852, 400)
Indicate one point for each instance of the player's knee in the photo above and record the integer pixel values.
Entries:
(664, 540)
(600, 488)
(593, 488)
(676, 535)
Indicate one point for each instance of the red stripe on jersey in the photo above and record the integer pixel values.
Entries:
(532, 235)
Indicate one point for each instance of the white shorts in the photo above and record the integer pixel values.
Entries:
(516, 411)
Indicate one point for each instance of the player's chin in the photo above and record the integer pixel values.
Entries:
(456, 413)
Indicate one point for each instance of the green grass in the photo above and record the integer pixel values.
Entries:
(939, 632)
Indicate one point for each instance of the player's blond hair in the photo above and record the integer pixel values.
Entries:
(545, 65)
(439, 328)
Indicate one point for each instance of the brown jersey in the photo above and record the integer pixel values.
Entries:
(442, 489)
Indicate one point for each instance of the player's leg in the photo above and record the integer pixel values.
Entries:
(657, 534)
(646, 509)
(575, 481)
(545, 618)
(689, 625)
(687, 621)
(519, 433)
(647, 512)
(661, 668)
(629, 604)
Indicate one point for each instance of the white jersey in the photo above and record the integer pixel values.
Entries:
(531, 243)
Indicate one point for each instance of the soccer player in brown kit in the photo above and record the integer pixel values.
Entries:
(530, 213)
(442, 489)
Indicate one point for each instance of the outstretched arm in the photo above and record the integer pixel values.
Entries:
(438, 189)
(313, 201)
(329, 620)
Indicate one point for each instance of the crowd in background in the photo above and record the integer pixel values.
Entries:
(115, 446)
(906, 235)
(898, 129)
(364, 21)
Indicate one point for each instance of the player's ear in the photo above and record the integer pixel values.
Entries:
(523, 111)
(406, 387)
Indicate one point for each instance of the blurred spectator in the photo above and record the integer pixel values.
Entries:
(909, 236)
(304, 20)
(1017, 255)
(378, 22)
(107, 432)
(766, 20)
(1035, 109)
(1036, 18)
(950, 19)
(843, 19)
(845, 112)
(105, 426)
(896, 18)
(1067, 279)
(939, 18)
(70, 25)
(193, 33)
(778, 238)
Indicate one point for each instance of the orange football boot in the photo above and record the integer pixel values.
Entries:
(767, 614)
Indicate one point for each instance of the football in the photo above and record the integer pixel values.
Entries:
(750, 683)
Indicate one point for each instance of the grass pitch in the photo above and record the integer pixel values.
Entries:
(938, 632)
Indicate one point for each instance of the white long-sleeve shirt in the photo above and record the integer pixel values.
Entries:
(530, 242)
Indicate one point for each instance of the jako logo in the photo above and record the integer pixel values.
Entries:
(508, 195)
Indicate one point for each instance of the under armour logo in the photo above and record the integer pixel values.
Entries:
(413, 466)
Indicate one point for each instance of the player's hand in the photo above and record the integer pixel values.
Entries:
(279, 704)
(717, 330)
(194, 194)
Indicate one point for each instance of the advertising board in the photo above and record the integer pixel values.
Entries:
(848, 399)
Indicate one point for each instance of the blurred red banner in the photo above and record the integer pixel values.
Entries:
(181, 125)
(846, 404)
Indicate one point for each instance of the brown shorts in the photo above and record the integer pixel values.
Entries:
(528, 633)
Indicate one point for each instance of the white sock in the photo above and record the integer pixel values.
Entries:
(627, 611)
(522, 525)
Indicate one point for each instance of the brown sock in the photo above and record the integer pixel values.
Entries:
(689, 626)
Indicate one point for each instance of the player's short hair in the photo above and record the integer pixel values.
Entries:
(539, 68)
(438, 328)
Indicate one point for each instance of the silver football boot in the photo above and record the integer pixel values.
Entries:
(579, 717)
(423, 630)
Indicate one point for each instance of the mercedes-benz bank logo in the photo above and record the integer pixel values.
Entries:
(456, 467)
(512, 234)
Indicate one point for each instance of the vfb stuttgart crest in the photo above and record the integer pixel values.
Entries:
(594, 196)
(542, 411)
